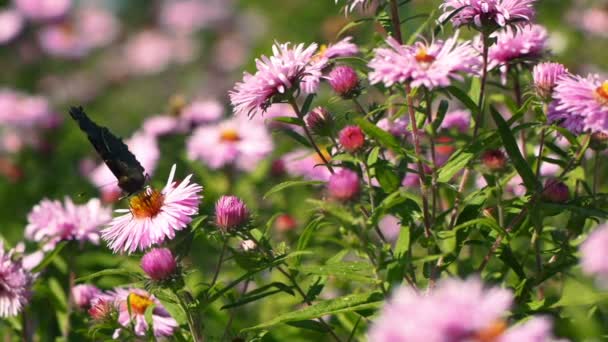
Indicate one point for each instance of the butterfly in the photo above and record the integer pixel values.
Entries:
(113, 151)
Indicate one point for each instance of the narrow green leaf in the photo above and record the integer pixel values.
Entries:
(307, 103)
(309, 325)
(464, 99)
(387, 176)
(356, 271)
(290, 120)
(298, 138)
(402, 246)
(443, 109)
(110, 272)
(289, 184)
(383, 137)
(50, 257)
(512, 149)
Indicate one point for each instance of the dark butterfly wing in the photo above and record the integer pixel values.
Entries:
(113, 151)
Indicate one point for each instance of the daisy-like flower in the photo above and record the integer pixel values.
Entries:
(15, 283)
(53, 221)
(154, 216)
(139, 300)
(457, 119)
(582, 103)
(524, 44)
(145, 148)
(545, 77)
(469, 312)
(480, 13)
(322, 60)
(236, 141)
(423, 64)
(276, 75)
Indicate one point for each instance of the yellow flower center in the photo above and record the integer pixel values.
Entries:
(139, 303)
(177, 104)
(491, 332)
(147, 203)
(325, 154)
(320, 54)
(423, 57)
(602, 92)
(229, 135)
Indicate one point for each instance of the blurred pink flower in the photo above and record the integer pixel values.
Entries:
(481, 13)
(307, 164)
(459, 120)
(50, 222)
(469, 311)
(202, 111)
(185, 17)
(154, 216)
(11, 24)
(146, 150)
(97, 25)
(84, 294)
(423, 64)
(390, 226)
(148, 52)
(139, 300)
(594, 253)
(235, 141)
(397, 127)
(42, 10)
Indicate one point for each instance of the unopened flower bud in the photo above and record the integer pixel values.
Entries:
(101, 309)
(494, 160)
(230, 213)
(320, 121)
(599, 141)
(351, 138)
(159, 263)
(344, 81)
(343, 185)
(556, 191)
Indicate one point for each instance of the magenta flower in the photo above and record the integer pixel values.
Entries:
(390, 226)
(582, 103)
(202, 111)
(154, 216)
(145, 148)
(230, 213)
(236, 141)
(344, 81)
(343, 48)
(42, 10)
(159, 263)
(594, 253)
(545, 77)
(469, 311)
(322, 60)
(480, 13)
(84, 294)
(139, 300)
(320, 121)
(307, 164)
(11, 24)
(351, 138)
(51, 222)
(149, 52)
(522, 44)
(275, 75)
(429, 65)
(460, 120)
(15, 283)
(397, 127)
(343, 185)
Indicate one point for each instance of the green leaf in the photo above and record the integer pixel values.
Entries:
(110, 272)
(259, 293)
(383, 137)
(512, 149)
(402, 246)
(298, 138)
(443, 108)
(356, 271)
(464, 99)
(309, 325)
(387, 176)
(50, 257)
(306, 106)
(456, 163)
(289, 184)
(364, 301)
(290, 120)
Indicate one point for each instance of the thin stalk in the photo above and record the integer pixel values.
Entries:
(499, 206)
(295, 107)
(232, 312)
(518, 101)
(596, 171)
(219, 263)
(359, 106)
(535, 241)
(395, 21)
(541, 148)
(72, 282)
(434, 184)
(352, 333)
(418, 152)
(192, 322)
(480, 106)
(369, 187)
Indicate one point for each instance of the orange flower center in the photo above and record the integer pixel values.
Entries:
(602, 92)
(492, 332)
(139, 303)
(147, 203)
(229, 135)
(423, 57)
(325, 154)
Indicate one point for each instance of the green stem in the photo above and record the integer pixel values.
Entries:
(219, 263)
(192, 322)
(395, 21)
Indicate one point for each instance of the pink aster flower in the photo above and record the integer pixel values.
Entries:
(144, 147)
(52, 221)
(423, 64)
(235, 141)
(43, 9)
(480, 13)
(185, 17)
(322, 60)
(397, 127)
(469, 311)
(582, 103)
(15, 283)
(460, 120)
(275, 75)
(343, 185)
(139, 300)
(307, 164)
(154, 216)
(84, 294)
(148, 52)
(230, 213)
(202, 111)
(390, 226)
(159, 125)
(159, 264)
(343, 48)
(522, 44)
(545, 76)
(11, 24)
(594, 253)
